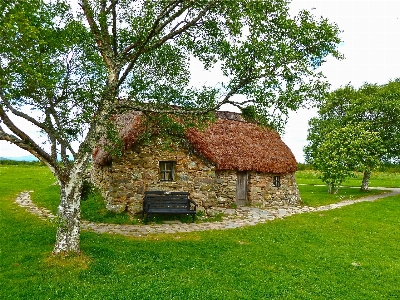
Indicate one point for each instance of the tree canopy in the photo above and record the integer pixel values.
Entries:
(343, 150)
(376, 108)
(68, 74)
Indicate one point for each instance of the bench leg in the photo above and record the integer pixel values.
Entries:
(193, 216)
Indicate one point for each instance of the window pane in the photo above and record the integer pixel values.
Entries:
(166, 170)
(277, 181)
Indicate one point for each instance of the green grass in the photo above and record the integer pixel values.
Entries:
(315, 196)
(378, 179)
(347, 253)
(94, 209)
(314, 192)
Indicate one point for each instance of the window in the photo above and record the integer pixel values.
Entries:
(277, 181)
(167, 172)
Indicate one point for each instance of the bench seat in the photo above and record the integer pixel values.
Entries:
(161, 202)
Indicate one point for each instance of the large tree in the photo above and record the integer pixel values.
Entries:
(145, 49)
(374, 107)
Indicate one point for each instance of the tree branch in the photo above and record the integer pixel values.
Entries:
(50, 131)
(149, 108)
(24, 141)
(169, 8)
(163, 40)
(102, 19)
(61, 140)
(114, 27)
(188, 25)
(104, 51)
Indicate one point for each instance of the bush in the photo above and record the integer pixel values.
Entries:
(20, 162)
(304, 167)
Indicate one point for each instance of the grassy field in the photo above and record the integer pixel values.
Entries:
(378, 179)
(348, 253)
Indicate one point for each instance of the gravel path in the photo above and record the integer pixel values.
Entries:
(233, 218)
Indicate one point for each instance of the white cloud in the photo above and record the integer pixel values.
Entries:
(371, 32)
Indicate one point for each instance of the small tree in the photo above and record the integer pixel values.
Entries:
(376, 107)
(344, 150)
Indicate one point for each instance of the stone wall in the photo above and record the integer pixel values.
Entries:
(262, 192)
(124, 182)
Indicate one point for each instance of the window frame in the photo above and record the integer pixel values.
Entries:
(276, 180)
(166, 167)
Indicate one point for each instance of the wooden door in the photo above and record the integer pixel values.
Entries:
(241, 188)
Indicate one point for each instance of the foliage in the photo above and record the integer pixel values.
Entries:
(388, 178)
(50, 76)
(89, 190)
(350, 253)
(20, 162)
(145, 53)
(304, 166)
(343, 150)
(67, 75)
(374, 107)
(389, 168)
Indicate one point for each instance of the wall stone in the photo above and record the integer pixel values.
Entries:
(123, 184)
(263, 193)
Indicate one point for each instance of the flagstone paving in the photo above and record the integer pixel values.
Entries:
(232, 218)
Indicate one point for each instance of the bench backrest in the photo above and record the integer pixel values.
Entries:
(162, 199)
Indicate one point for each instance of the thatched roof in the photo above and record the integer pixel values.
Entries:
(129, 128)
(229, 143)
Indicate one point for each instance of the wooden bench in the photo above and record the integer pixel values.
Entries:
(161, 202)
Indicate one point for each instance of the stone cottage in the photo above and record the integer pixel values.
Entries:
(230, 163)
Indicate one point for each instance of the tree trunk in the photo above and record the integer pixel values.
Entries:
(69, 210)
(331, 188)
(338, 187)
(365, 181)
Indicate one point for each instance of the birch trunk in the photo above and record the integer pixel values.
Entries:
(365, 181)
(330, 188)
(69, 210)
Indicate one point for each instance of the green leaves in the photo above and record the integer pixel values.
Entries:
(74, 72)
(266, 55)
(345, 150)
(50, 75)
(374, 109)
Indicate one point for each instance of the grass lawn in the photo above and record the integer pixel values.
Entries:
(347, 253)
(314, 196)
(378, 179)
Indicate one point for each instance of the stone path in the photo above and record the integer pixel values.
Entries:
(233, 218)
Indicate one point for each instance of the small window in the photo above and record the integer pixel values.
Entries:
(277, 181)
(167, 172)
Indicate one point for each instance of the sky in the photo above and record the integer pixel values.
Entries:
(370, 43)
(371, 47)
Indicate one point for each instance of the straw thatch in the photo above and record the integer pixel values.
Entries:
(129, 127)
(233, 145)
(228, 143)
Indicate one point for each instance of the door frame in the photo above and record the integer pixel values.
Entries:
(242, 178)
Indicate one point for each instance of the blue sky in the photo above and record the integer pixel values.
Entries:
(371, 46)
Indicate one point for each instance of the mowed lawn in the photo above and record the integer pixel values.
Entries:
(347, 253)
